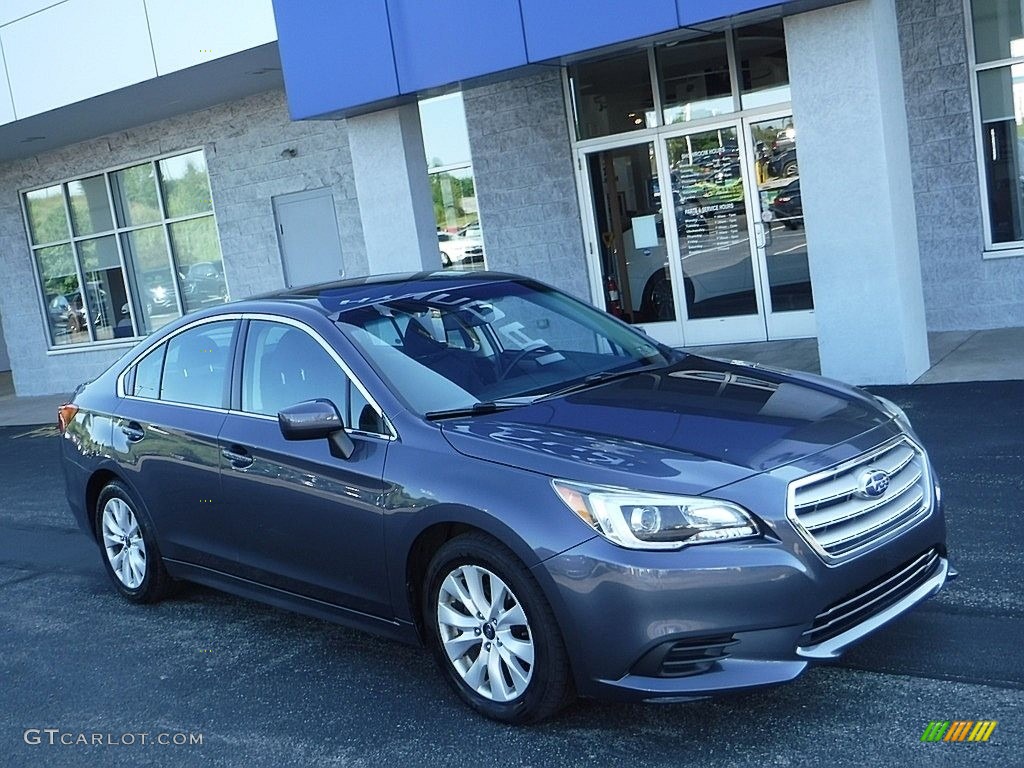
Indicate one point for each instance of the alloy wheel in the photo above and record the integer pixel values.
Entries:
(485, 633)
(123, 543)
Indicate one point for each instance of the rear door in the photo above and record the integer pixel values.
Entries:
(304, 521)
(165, 435)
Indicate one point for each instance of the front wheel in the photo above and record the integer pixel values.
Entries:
(493, 633)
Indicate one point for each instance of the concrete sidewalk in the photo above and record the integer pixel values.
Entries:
(957, 356)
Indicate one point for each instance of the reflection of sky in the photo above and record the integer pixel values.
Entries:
(445, 139)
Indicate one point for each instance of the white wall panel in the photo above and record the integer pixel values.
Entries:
(76, 50)
(12, 10)
(189, 32)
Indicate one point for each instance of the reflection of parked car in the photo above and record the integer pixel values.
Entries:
(204, 283)
(784, 164)
(787, 206)
(67, 313)
(462, 249)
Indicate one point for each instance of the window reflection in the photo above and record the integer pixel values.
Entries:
(450, 163)
(763, 67)
(613, 95)
(695, 79)
(1001, 97)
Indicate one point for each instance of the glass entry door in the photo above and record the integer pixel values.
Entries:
(714, 231)
(779, 227)
(698, 235)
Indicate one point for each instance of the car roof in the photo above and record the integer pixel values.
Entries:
(329, 298)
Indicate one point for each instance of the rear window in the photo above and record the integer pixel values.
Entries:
(147, 374)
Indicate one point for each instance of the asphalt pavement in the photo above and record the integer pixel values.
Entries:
(264, 687)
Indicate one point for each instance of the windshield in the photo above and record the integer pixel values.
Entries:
(491, 342)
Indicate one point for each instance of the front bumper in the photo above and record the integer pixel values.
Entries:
(758, 599)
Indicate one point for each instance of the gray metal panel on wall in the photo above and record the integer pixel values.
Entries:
(307, 230)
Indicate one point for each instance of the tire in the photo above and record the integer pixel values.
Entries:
(791, 169)
(121, 525)
(533, 682)
(658, 299)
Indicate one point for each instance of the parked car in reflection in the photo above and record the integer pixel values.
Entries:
(783, 164)
(552, 502)
(204, 284)
(462, 248)
(787, 207)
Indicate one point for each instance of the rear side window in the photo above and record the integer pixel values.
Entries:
(147, 374)
(284, 366)
(197, 365)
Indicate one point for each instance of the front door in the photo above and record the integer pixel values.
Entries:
(305, 521)
(736, 268)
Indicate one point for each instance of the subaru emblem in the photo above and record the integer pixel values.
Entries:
(872, 483)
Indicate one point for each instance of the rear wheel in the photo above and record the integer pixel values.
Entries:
(493, 633)
(129, 549)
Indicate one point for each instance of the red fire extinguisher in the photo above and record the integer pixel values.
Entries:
(612, 290)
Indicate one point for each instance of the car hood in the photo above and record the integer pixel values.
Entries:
(690, 427)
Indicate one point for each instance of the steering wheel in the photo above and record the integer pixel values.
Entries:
(543, 349)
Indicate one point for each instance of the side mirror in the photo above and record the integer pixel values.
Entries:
(316, 420)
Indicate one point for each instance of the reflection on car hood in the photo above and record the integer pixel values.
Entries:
(693, 426)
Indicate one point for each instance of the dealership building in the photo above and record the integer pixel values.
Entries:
(711, 171)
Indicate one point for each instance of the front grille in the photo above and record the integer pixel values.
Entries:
(829, 510)
(872, 599)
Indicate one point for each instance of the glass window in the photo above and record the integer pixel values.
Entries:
(695, 80)
(491, 341)
(450, 164)
(90, 208)
(135, 196)
(105, 288)
(284, 366)
(1001, 97)
(168, 245)
(763, 67)
(998, 32)
(445, 137)
(47, 221)
(197, 254)
(612, 95)
(998, 36)
(147, 374)
(185, 185)
(155, 287)
(197, 365)
(62, 295)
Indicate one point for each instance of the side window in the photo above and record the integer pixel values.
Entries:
(197, 365)
(147, 374)
(284, 366)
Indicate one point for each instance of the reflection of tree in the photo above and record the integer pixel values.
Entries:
(46, 215)
(448, 192)
(186, 193)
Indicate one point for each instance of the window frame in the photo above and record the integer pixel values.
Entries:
(127, 374)
(991, 249)
(73, 240)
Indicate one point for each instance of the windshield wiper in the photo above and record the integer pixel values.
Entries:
(595, 379)
(479, 409)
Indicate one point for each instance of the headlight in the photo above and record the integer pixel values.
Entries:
(640, 520)
(895, 412)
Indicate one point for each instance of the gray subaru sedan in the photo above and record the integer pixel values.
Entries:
(551, 501)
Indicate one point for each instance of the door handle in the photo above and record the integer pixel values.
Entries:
(238, 457)
(133, 431)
